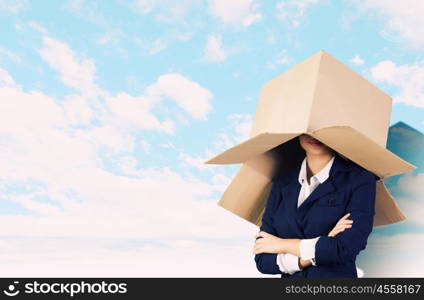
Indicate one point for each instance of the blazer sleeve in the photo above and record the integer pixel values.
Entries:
(266, 263)
(346, 245)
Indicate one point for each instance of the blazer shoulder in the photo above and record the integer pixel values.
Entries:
(362, 176)
(283, 180)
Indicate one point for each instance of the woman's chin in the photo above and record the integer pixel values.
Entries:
(316, 151)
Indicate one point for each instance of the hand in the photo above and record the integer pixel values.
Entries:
(304, 263)
(267, 243)
(341, 225)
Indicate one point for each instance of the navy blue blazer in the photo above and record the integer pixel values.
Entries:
(349, 188)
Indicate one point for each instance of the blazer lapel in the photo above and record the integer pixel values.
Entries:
(328, 186)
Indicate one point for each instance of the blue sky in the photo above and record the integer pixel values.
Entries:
(109, 109)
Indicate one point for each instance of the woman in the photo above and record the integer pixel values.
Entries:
(305, 219)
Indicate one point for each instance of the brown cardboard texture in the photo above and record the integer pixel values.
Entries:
(324, 98)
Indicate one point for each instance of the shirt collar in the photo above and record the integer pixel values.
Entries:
(321, 176)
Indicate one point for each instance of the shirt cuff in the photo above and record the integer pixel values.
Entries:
(307, 249)
(280, 262)
(291, 262)
(288, 263)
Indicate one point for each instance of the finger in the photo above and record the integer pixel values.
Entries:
(340, 230)
(344, 226)
(346, 221)
(337, 232)
(345, 216)
(342, 221)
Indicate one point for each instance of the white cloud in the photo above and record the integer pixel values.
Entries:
(235, 12)
(185, 13)
(89, 11)
(158, 45)
(237, 131)
(411, 188)
(109, 135)
(401, 18)
(197, 162)
(135, 112)
(166, 10)
(189, 95)
(6, 79)
(385, 256)
(280, 59)
(213, 49)
(73, 203)
(37, 27)
(110, 37)
(10, 55)
(129, 112)
(242, 124)
(85, 257)
(145, 146)
(144, 6)
(408, 78)
(152, 46)
(76, 72)
(294, 11)
(123, 221)
(123, 109)
(14, 6)
(77, 110)
(357, 60)
(57, 157)
(32, 110)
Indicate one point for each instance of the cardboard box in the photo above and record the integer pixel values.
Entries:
(326, 99)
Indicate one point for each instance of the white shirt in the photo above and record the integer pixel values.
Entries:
(287, 262)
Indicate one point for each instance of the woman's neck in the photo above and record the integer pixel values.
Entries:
(316, 163)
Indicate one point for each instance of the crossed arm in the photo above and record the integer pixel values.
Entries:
(329, 250)
(268, 243)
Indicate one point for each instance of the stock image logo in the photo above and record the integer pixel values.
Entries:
(68, 288)
(12, 289)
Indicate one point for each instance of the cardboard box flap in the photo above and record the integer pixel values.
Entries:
(386, 209)
(362, 150)
(247, 194)
(251, 147)
(343, 139)
(248, 191)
